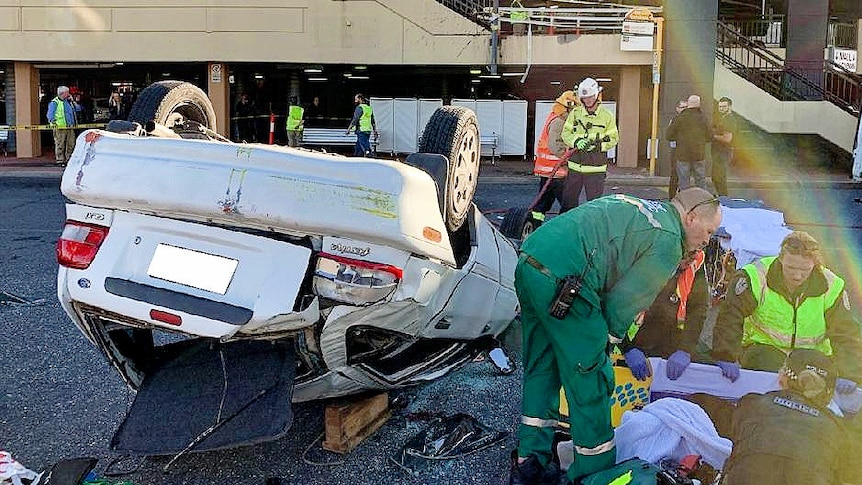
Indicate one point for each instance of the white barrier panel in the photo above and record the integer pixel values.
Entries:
(384, 117)
(406, 121)
(514, 140)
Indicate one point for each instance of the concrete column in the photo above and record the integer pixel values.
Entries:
(807, 22)
(628, 116)
(218, 90)
(28, 142)
(858, 46)
(688, 65)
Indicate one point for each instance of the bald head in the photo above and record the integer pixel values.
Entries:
(693, 101)
(700, 214)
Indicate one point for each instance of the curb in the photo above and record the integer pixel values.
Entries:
(640, 181)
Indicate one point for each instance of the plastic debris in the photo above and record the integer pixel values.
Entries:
(446, 438)
(7, 298)
(14, 473)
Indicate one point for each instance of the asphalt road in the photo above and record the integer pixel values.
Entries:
(59, 399)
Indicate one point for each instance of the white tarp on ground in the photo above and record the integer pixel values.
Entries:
(754, 231)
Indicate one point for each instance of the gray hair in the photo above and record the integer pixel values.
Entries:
(694, 101)
(62, 89)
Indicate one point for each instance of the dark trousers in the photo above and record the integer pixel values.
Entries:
(593, 185)
(363, 144)
(720, 160)
(554, 192)
(673, 183)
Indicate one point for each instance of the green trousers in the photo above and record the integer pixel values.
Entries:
(570, 353)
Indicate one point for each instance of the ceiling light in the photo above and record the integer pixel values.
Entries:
(512, 74)
(490, 76)
(258, 76)
(166, 74)
(475, 71)
(361, 68)
(604, 79)
(348, 74)
(555, 83)
(318, 79)
(358, 77)
(475, 81)
(312, 70)
(118, 63)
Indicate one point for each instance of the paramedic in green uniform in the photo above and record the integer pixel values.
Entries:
(625, 249)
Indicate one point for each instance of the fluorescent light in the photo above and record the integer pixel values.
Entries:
(318, 79)
(258, 76)
(490, 76)
(475, 71)
(358, 77)
(361, 68)
(512, 74)
(555, 83)
(166, 74)
(312, 70)
(118, 63)
(475, 81)
(604, 79)
(348, 74)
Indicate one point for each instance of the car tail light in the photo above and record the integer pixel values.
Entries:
(354, 281)
(79, 244)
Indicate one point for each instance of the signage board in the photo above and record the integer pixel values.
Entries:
(845, 58)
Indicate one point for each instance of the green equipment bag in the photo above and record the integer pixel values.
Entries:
(630, 472)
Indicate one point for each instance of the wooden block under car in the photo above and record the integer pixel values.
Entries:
(349, 422)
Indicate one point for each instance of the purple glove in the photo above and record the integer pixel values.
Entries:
(729, 369)
(676, 364)
(636, 360)
(845, 386)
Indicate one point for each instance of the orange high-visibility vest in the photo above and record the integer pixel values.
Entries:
(684, 283)
(545, 159)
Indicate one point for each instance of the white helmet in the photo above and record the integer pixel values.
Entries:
(588, 87)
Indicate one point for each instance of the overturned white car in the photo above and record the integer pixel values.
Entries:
(204, 269)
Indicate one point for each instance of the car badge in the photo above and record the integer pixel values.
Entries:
(84, 283)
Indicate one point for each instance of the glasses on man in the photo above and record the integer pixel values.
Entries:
(711, 201)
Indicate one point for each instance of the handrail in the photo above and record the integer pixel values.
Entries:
(768, 71)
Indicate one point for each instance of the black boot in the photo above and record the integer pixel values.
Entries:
(531, 472)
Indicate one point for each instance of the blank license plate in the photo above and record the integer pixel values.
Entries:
(192, 268)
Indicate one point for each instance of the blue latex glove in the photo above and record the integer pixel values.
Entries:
(845, 386)
(729, 369)
(676, 364)
(636, 360)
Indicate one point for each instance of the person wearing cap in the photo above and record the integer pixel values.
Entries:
(592, 131)
(550, 151)
(789, 436)
(62, 116)
(610, 257)
(777, 304)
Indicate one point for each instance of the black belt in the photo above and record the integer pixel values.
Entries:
(539, 266)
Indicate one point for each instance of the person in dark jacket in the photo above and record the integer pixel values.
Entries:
(789, 436)
(671, 327)
(691, 131)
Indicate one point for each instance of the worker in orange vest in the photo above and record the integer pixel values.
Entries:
(549, 150)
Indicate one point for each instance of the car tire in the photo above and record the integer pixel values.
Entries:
(453, 132)
(518, 223)
(167, 102)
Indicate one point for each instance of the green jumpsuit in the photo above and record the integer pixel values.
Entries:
(634, 247)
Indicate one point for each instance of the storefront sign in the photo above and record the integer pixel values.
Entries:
(845, 58)
(638, 30)
(215, 73)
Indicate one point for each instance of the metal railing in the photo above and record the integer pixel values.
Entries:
(841, 35)
(767, 30)
(471, 9)
(752, 61)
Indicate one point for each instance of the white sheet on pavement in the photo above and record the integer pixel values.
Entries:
(670, 428)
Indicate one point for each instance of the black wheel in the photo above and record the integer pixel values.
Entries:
(168, 102)
(519, 223)
(453, 132)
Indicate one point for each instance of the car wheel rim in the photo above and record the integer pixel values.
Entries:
(466, 168)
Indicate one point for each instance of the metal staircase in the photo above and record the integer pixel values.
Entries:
(753, 61)
(471, 9)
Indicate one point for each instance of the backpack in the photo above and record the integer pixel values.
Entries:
(642, 473)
